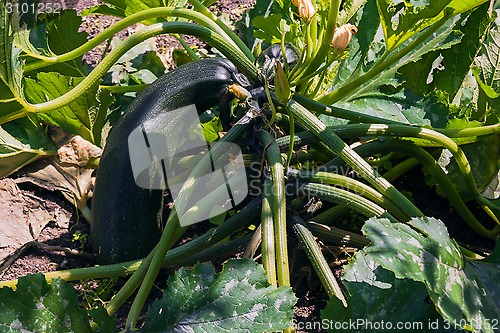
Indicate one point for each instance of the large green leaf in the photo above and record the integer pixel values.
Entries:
(239, 299)
(403, 106)
(464, 291)
(22, 141)
(367, 48)
(36, 306)
(446, 70)
(376, 297)
(61, 34)
(10, 68)
(403, 19)
(381, 94)
(487, 62)
(83, 116)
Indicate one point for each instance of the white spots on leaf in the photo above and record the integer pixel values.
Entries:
(16, 324)
(39, 306)
(230, 285)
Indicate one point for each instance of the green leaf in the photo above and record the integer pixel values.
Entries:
(402, 20)
(403, 106)
(487, 62)
(238, 299)
(267, 28)
(349, 9)
(483, 156)
(61, 34)
(261, 8)
(446, 70)
(80, 116)
(367, 48)
(36, 306)
(21, 142)
(211, 129)
(423, 251)
(375, 296)
(10, 68)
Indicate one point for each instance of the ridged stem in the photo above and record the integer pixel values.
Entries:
(278, 205)
(109, 32)
(354, 201)
(268, 245)
(339, 147)
(350, 184)
(318, 261)
(169, 27)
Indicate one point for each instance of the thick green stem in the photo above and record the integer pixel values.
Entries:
(338, 112)
(350, 184)
(387, 62)
(423, 133)
(169, 27)
(339, 147)
(239, 43)
(354, 201)
(122, 24)
(336, 235)
(268, 245)
(325, 47)
(317, 259)
(278, 205)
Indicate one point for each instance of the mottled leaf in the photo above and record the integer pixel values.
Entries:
(367, 49)
(375, 296)
(403, 19)
(10, 68)
(403, 106)
(488, 61)
(446, 70)
(423, 251)
(36, 306)
(239, 299)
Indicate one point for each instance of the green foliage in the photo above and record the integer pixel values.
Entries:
(79, 117)
(36, 306)
(483, 157)
(417, 62)
(22, 142)
(488, 60)
(403, 19)
(376, 296)
(238, 299)
(462, 290)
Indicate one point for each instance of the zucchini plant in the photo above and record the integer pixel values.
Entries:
(333, 103)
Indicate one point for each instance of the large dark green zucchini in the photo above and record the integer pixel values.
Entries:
(125, 223)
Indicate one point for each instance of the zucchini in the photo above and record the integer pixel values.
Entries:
(127, 219)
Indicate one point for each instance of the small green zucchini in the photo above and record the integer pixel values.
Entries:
(127, 219)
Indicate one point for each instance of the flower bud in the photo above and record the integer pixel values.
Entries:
(343, 36)
(306, 9)
(281, 85)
